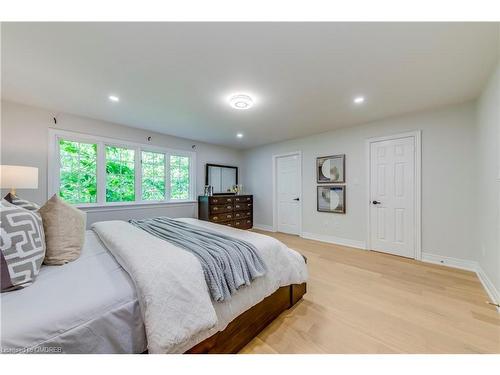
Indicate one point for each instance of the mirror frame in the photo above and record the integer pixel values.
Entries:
(220, 166)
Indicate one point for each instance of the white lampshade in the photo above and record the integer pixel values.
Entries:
(18, 177)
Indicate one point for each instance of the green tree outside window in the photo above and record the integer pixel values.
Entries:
(120, 174)
(179, 177)
(78, 172)
(153, 176)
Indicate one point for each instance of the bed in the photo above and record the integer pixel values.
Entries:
(91, 305)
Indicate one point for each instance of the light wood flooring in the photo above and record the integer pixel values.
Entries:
(361, 301)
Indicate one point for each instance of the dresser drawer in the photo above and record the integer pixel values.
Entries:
(242, 214)
(221, 200)
(221, 208)
(223, 216)
(243, 199)
(242, 206)
(231, 210)
(243, 224)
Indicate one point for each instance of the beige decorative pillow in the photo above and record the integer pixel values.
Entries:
(64, 227)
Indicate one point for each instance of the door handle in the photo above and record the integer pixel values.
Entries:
(376, 202)
(296, 199)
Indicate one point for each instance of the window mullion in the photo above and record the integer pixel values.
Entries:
(57, 178)
(138, 174)
(167, 178)
(192, 179)
(101, 173)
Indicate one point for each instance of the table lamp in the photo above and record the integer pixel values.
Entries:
(18, 177)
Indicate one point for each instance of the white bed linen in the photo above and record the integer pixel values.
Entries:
(86, 306)
(90, 305)
(281, 271)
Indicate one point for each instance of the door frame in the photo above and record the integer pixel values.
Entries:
(275, 187)
(417, 143)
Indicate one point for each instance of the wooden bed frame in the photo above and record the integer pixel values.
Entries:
(247, 325)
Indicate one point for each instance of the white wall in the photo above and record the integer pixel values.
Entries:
(24, 141)
(448, 179)
(488, 183)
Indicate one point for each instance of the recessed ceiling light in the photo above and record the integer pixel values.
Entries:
(241, 101)
(359, 99)
(239, 135)
(114, 98)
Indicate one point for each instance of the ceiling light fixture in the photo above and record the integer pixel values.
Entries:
(241, 101)
(114, 98)
(359, 99)
(239, 135)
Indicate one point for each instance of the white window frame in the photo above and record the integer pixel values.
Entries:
(54, 168)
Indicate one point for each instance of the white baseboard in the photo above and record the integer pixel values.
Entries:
(488, 285)
(335, 240)
(267, 228)
(468, 265)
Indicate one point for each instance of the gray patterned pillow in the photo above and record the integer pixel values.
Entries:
(16, 201)
(22, 246)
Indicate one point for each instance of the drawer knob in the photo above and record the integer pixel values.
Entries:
(216, 208)
(216, 218)
(229, 216)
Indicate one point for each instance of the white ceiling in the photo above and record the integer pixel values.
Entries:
(174, 78)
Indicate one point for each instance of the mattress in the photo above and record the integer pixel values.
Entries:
(86, 306)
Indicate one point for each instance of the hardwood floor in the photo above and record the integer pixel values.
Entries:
(361, 301)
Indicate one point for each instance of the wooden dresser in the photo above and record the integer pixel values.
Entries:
(231, 210)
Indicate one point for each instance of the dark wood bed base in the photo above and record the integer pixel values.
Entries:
(247, 325)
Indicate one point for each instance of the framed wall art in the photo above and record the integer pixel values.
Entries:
(331, 199)
(330, 169)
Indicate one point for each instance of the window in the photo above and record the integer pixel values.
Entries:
(179, 177)
(153, 176)
(78, 171)
(93, 171)
(120, 174)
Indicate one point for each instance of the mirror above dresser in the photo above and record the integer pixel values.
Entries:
(222, 178)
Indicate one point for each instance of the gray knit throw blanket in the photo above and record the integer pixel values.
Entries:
(228, 263)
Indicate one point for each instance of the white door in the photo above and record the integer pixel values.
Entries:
(392, 196)
(288, 193)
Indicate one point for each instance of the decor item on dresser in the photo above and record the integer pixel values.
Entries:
(64, 227)
(331, 199)
(208, 191)
(330, 169)
(22, 246)
(222, 178)
(231, 210)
